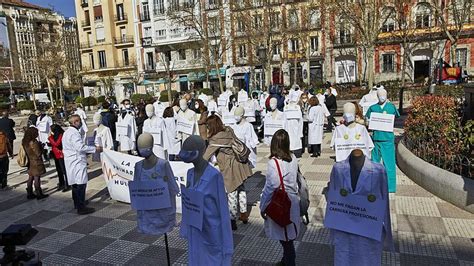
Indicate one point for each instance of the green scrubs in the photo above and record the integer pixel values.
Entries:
(384, 143)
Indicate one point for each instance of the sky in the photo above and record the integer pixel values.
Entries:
(65, 7)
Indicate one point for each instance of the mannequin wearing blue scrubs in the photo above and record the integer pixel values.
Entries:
(213, 245)
(384, 142)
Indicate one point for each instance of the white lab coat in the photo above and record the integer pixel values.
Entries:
(80, 112)
(160, 108)
(294, 94)
(170, 137)
(154, 126)
(322, 101)
(250, 107)
(295, 126)
(103, 134)
(75, 156)
(242, 96)
(189, 115)
(354, 132)
(276, 115)
(244, 131)
(127, 142)
(289, 171)
(368, 100)
(316, 125)
(212, 106)
(44, 128)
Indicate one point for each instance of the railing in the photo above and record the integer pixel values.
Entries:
(123, 40)
(86, 23)
(343, 42)
(121, 17)
(85, 45)
(147, 41)
(458, 164)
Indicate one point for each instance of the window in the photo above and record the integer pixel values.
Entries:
(174, 5)
(314, 44)
(388, 63)
(145, 11)
(100, 35)
(242, 51)
(150, 63)
(258, 21)
(197, 53)
(276, 49)
(126, 60)
(275, 20)
(182, 54)
(161, 34)
(147, 32)
(102, 59)
(293, 20)
(294, 45)
(340, 71)
(91, 61)
(422, 16)
(98, 13)
(314, 19)
(389, 25)
(461, 57)
(240, 25)
(345, 36)
(87, 18)
(159, 7)
(120, 13)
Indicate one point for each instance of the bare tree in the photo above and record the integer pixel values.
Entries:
(210, 29)
(165, 59)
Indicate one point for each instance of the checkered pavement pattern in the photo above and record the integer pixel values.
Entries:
(426, 229)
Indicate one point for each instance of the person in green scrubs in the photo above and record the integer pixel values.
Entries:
(384, 142)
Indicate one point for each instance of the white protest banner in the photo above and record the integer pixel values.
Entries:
(193, 207)
(355, 214)
(184, 125)
(293, 113)
(271, 126)
(221, 101)
(122, 130)
(381, 122)
(149, 195)
(118, 169)
(344, 147)
(180, 171)
(228, 118)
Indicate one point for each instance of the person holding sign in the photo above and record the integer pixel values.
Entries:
(294, 122)
(126, 128)
(350, 135)
(358, 212)
(316, 126)
(156, 212)
(186, 121)
(205, 223)
(384, 140)
(154, 126)
(273, 121)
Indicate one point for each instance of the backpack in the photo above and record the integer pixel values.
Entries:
(279, 207)
(303, 193)
(22, 159)
(3, 144)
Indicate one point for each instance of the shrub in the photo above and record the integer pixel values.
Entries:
(207, 91)
(164, 95)
(89, 101)
(101, 99)
(78, 100)
(25, 105)
(137, 97)
(434, 132)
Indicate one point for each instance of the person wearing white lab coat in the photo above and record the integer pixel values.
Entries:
(316, 126)
(368, 100)
(154, 126)
(186, 114)
(126, 128)
(282, 158)
(211, 106)
(294, 123)
(275, 115)
(103, 137)
(75, 159)
(244, 131)
(171, 143)
(43, 124)
(160, 107)
(80, 112)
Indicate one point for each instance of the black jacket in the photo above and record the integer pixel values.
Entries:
(331, 102)
(8, 126)
(109, 119)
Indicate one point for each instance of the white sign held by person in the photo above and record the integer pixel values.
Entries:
(271, 126)
(185, 126)
(149, 195)
(381, 122)
(193, 207)
(344, 147)
(293, 114)
(221, 101)
(118, 168)
(228, 118)
(122, 130)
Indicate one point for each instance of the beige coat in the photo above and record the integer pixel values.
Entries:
(234, 172)
(35, 162)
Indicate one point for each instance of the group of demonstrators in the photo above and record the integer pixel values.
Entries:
(219, 136)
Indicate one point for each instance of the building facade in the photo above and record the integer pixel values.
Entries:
(107, 47)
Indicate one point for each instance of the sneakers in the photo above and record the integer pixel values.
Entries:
(85, 210)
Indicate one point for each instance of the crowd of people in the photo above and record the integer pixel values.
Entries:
(232, 125)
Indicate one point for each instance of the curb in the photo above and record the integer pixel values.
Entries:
(444, 184)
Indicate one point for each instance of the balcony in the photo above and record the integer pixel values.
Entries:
(86, 23)
(159, 11)
(124, 40)
(120, 18)
(147, 41)
(85, 46)
(84, 3)
(343, 41)
(145, 16)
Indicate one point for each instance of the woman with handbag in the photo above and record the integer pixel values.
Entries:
(279, 204)
(34, 151)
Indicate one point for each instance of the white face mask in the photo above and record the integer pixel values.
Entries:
(238, 118)
(196, 106)
(127, 106)
(382, 99)
(349, 117)
(149, 114)
(183, 107)
(273, 106)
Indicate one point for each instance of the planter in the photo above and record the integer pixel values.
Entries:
(444, 184)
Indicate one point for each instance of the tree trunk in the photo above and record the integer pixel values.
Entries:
(268, 73)
(33, 96)
(370, 68)
(452, 51)
(404, 64)
(50, 92)
(221, 85)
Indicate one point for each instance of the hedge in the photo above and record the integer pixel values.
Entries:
(164, 95)
(78, 100)
(137, 97)
(89, 101)
(25, 105)
(101, 99)
(207, 91)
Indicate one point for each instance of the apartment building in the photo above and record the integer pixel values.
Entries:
(24, 30)
(107, 47)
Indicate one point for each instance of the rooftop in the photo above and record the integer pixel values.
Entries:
(20, 3)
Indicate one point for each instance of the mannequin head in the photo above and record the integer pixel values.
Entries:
(273, 104)
(349, 112)
(243, 96)
(145, 145)
(239, 114)
(193, 149)
(382, 95)
(150, 110)
(97, 119)
(183, 104)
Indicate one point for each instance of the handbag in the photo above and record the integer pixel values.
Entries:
(279, 207)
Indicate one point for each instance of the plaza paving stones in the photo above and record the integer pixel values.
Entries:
(426, 229)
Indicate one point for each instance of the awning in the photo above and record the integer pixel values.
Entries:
(161, 81)
(196, 76)
(147, 82)
(183, 79)
(213, 73)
